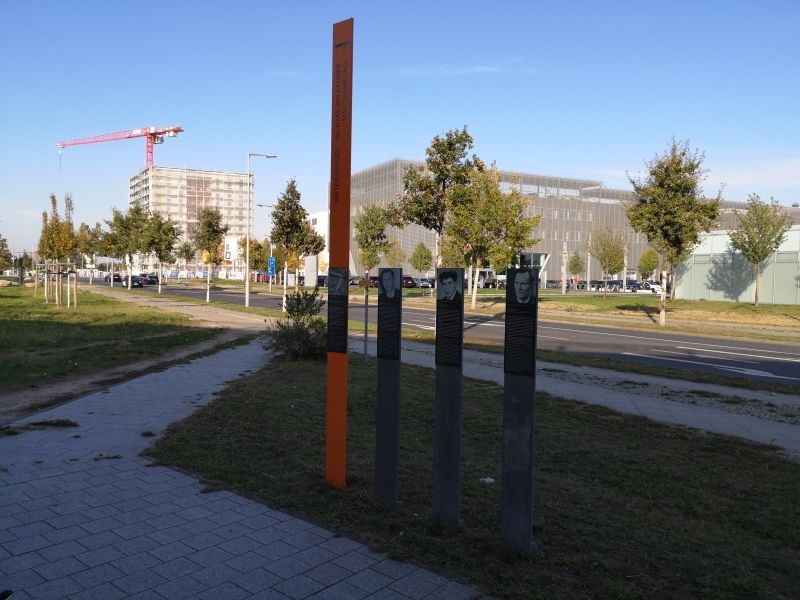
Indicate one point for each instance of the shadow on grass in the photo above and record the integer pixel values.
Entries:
(648, 310)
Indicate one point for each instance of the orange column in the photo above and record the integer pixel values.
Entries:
(339, 246)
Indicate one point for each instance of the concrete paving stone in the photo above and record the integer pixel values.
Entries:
(130, 494)
(299, 586)
(64, 521)
(260, 521)
(225, 518)
(163, 521)
(199, 526)
(240, 545)
(394, 569)
(369, 580)
(60, 568)
(250, 509)
(28, 544)
(23, 562)
(55, 590)
(304, 539)
(20, 580)
(248, 562)
(170, 534)
(170, 551)
(135, 562)
(37, 515)
(215, 574)
(97, 575)
(138, 582)
(210, 556)
(315, 555)
(328, 573)
(271, 594)
(24, 531)
(3, 554)
(134, 530)
(257, 580)
(100, 556)
(176, 568)
(203, 540)
(186, 498)
(354, 561)
(179, 588)
(387, 595)
(159, 508)
(105, 591)
(231, 531)
(227, 590)
(194, 512)
(101, 525)
(294, 526)
(432, 577)
(62, 550)
(6, 536)
(104, 510)
(341, 545)
(145, 595)
(136, 545)
(414, 586)
(12, 509)
(340, 591)
(65, 508)
(136, 515)
(287, 567)
(277, 550)
(221, 505)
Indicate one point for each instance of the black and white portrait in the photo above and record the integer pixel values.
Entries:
(523, 286)
(451, 285)
(389, 282)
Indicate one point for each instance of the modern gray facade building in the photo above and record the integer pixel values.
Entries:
(570, 210)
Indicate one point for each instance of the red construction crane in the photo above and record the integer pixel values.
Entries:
(151, 134)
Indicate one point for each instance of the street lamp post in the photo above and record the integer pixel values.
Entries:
(247, 235)
(271, 274)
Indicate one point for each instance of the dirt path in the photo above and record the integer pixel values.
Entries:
(234, 325)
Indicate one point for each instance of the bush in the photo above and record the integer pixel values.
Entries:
(302, 334)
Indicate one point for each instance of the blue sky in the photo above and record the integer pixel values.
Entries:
(577, 89)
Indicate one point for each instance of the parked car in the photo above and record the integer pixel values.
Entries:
(136, 281)
(354, 281)
(427, 282)
(373, 281)
(409, 282)
(649, 287)
(117, 277)
(494, 283)
(322, 281)
(151, 279)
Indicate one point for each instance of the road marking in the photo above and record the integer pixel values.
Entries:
(752, 362)
(740, 354)
(550, 337)
(638, 337)
(487, 323)
(739, 370)
(420, 326)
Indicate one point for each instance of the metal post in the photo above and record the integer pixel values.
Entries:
(366, 312)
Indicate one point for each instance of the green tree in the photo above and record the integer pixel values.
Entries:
(489, 224)
(759, 232)
(161, 235)
(648, 262)
(185, 253)
(607, 245)
(427, 198)
(670, 209)
(291, 230)
(575, 264)
(421, 258)
(394, 254)
(6, 259)
(370, 235)
(57, 239)
(83, 241)
(207, 237)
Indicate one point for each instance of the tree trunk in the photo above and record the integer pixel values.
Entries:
(76, 289)
(474, 281)
(605, 284)
(285, 277)
(439, 246)
(662, 314)
(758, 282)
(208, 284)
(160, 275)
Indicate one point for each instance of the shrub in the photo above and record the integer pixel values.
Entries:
(302, 334)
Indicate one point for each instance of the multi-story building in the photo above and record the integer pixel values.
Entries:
(180, 193)
(570, 210)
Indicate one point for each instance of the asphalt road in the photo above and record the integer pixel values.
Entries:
(757, 360)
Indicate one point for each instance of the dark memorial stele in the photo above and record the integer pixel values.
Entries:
(516, 509)
(337, 309)
(389, 313)
(521, 307)
(449, 316)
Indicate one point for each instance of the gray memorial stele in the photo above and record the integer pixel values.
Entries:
(387, 402)
(447, 429)
(337, 309)
(516, 507)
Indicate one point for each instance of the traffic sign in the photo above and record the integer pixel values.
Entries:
(272, 266)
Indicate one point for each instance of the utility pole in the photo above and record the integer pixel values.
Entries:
(564, 265)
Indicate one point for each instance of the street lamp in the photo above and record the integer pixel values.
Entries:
(247, 235)
(271, 273)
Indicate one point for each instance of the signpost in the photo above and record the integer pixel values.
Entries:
(339, 203)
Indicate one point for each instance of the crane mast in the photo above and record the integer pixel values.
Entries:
(152, 135)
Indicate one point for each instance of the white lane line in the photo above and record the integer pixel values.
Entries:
(419, 326)
(638, 337)
(740, 354)
(752, 362)
(551, 337)
(693, 362)
(488, 324)
(739, 370)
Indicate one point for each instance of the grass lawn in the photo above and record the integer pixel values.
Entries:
(41, 342)
(624, 507)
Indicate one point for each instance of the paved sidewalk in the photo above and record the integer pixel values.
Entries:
(82, 516)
